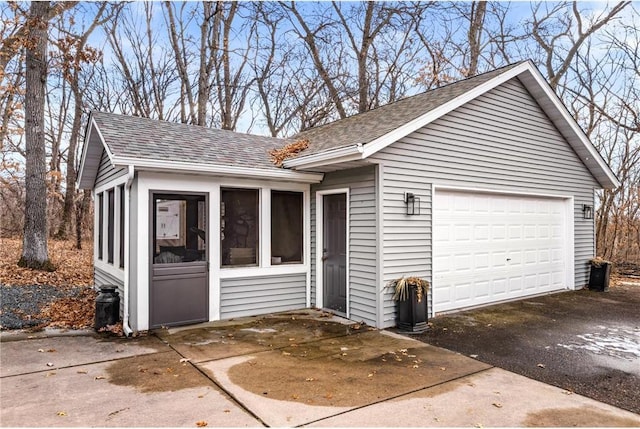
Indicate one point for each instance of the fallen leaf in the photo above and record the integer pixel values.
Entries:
(473, 356)
(227, 411)
(442, 368)
(541, 365)
(61, 413)
(82, 371)
(286, 353)
(99, 377)
(292, 339)
(201, 424)
(51, 351)
(415, 366)
(49, 363)
(50, 374)
(567, 392)
(497, 404)
(183, 360)
(310, 379)
(40, 351)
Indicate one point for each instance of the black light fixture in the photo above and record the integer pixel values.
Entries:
(587, 211)
(413, 203)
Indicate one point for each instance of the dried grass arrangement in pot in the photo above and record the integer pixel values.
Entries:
(410, 294)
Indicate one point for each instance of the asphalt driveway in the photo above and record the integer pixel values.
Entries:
(584, 341)
(302, 368)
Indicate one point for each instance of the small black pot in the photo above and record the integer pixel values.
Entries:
(599, 277)
(412, 315)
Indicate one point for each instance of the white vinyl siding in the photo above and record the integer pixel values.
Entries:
(107, 172)
(362, 239)
(499, 141)
(252, 296)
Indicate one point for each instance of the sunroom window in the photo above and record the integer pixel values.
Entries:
(239, 227)
(286, 227)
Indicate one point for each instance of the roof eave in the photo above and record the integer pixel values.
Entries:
(568, 127)
(93, 145)
(334, 156)
(218, 170)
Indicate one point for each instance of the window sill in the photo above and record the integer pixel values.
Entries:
(276, 270)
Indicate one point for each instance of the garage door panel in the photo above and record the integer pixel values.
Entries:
(495, 247)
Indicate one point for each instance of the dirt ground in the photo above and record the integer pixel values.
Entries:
(583, 341)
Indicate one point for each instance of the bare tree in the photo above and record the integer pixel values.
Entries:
(553, 30)
(75, 54)
(35, 251)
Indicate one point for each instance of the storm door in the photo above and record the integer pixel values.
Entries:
(334, 255)
(179, 263)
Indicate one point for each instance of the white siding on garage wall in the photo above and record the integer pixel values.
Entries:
(362, 239)
(501, 141)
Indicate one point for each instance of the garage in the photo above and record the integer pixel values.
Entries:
(494, 247)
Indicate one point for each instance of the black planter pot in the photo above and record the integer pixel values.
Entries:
(412, 315)
(599, 277)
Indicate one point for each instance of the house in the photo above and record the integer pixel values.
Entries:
(484, 187)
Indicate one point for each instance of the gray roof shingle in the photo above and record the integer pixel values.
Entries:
(368, 126)
(142, 138)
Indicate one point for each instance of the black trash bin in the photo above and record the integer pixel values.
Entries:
(107, 307)
(599, 276)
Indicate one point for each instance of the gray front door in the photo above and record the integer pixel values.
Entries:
(179, 291)
(335, 252)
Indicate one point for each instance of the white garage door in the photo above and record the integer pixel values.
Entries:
(489, 248)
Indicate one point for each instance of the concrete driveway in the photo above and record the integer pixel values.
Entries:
(584, 341)
(290, 369)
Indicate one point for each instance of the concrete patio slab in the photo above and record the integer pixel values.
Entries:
(152, 390)
(492, 398)
(218, 340)
(22, 357)
(302, 383)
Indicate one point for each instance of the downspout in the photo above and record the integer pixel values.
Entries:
(127, 218)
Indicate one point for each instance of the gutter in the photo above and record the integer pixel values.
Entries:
(346, 153)
(125, 317)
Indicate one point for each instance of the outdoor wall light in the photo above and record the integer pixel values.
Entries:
(413, 203)
(587, 211)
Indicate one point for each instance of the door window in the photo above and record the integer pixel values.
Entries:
(179, 229)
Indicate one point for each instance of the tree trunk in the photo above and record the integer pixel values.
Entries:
(70, 192)
(82, 208)
(34, 248)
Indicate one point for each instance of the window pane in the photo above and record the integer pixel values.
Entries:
(121, 189)
(239, 226)
(110, 224)
(100, 225)
(180, 229)
(286, 227)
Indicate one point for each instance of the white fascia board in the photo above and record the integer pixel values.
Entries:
(247, 172)
(578, 134)
(85, 149)
(92, 128)
(343, 154)
(414, 125)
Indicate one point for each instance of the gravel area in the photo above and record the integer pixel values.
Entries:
(21, 305)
